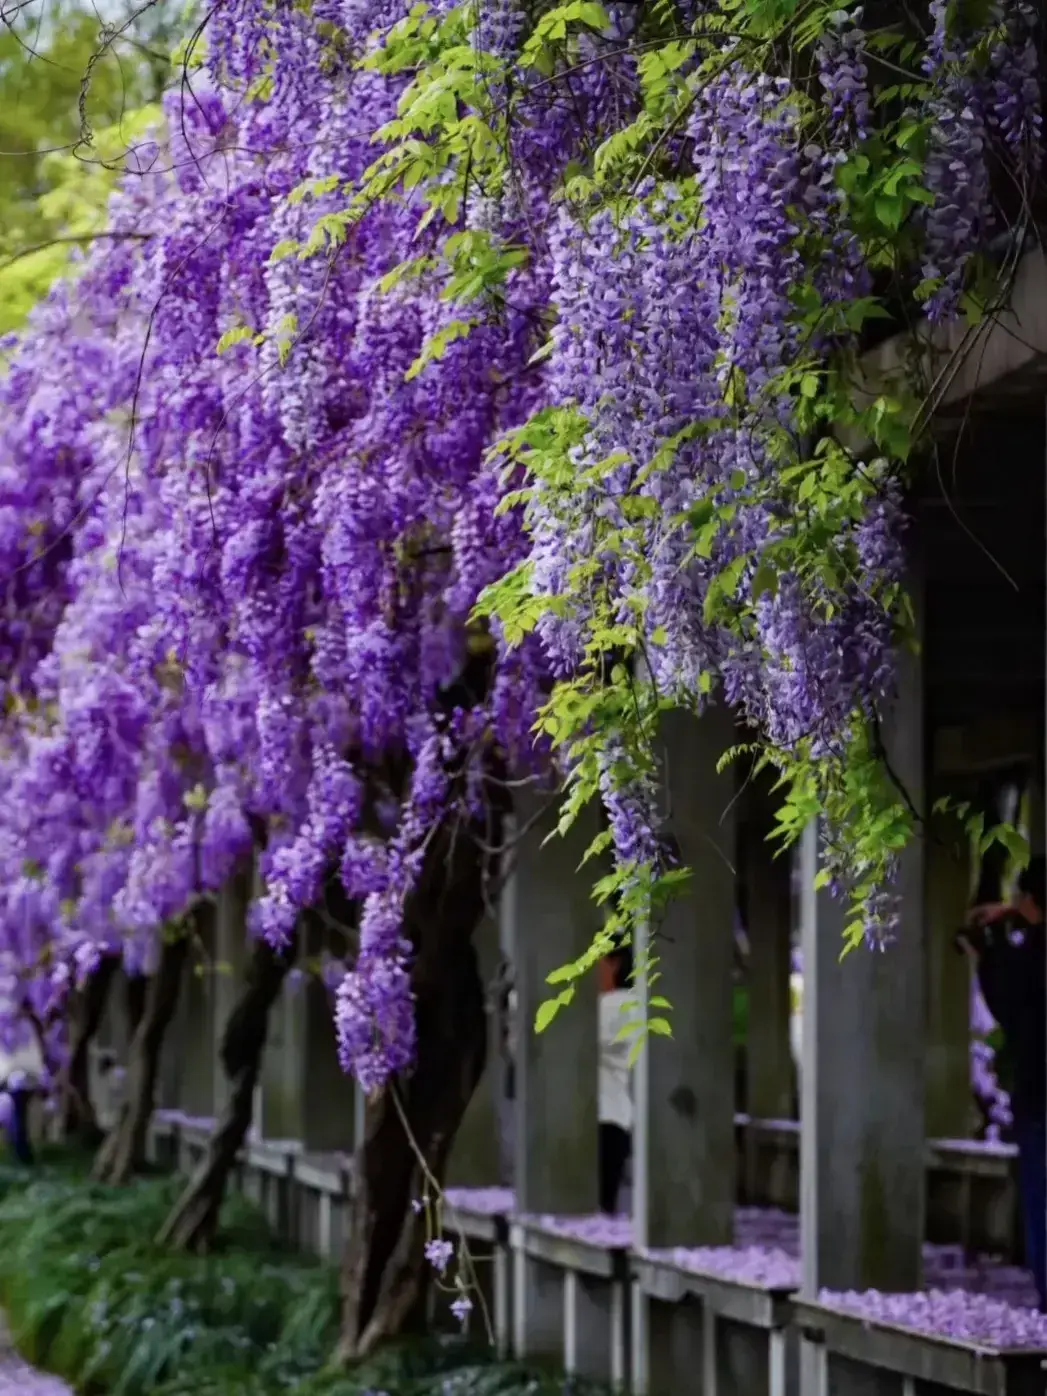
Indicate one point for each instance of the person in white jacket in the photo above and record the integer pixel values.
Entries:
(614, 1080)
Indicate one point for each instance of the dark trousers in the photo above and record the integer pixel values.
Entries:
(1030, 1134)
(615, 1145)
(18, 1127)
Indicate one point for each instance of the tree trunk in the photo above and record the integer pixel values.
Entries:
(78, 1113)
(385, 1275)
(123, 1152)
(194, 1219)
(135, 991)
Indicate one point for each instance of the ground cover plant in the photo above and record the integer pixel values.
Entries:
(89, 1295)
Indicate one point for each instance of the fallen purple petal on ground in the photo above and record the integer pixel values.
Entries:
(17, 1378)
(973, 1318)
(968, 1296)
(760, 1266)
(597, 1229)
(484, 1202)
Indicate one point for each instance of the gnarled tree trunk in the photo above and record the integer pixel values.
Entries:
(136, 989)
(123, 1152)
(194, 1219)
(385, 1275)
(78, 1118)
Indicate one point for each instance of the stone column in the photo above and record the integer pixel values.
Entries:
(474, 1160)
(195, 1024)
(554, 919)
(863, 1175)
(305, 1094)
(948, 856)
(684, 1179)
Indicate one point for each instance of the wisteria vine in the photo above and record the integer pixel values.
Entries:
(514, 336)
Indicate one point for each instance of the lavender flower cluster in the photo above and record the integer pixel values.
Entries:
(239, 586)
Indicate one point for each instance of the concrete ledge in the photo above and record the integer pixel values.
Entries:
(567, 1252)
(972, 1368)
(752, 1305)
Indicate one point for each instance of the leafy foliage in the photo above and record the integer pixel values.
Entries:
(90, 1297)
(777, 548)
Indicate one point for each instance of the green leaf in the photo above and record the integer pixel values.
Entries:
(890, 210)
(438, 344)
(284, 249)
(765, 582)
(547, 1011)
(238, 335)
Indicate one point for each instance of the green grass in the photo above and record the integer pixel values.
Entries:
(89, 1296)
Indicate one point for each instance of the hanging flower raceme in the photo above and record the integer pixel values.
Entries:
(283, 418)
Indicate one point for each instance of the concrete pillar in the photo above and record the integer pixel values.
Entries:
(474, 1160)
(948, 855)
(305, 1094)
(553, 919)
(684, 1178)
(770, 1076)
(684, 1144)
(194, 1036)
(863, 1095)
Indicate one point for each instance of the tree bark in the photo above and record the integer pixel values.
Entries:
(78, 1114)
(411, 1126)
(136, 990)
(192, 1223)
(123, 1152)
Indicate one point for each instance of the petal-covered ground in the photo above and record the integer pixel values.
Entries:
(17, 1378)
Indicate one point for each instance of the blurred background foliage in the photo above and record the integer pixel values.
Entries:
(79, 87)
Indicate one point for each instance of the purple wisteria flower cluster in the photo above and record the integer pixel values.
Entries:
(243, 539)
